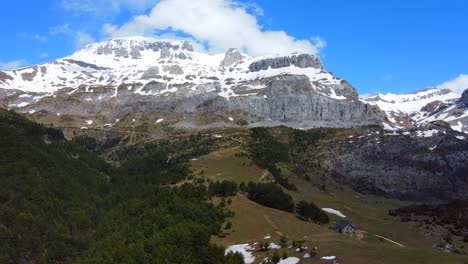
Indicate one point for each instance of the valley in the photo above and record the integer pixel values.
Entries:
(149, 151)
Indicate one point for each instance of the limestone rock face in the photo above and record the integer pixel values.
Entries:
(301, 61)
(283, 100)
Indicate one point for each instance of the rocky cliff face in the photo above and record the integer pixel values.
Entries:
(122, 77)
(464, 98)
(301, 61)
(4, 77)
(424, 164)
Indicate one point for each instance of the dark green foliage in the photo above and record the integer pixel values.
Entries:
(270, 195)
(87, 142)
(242, 187)
(309, 211)
(265, 149)
(84, 148)
(276, 258)
(160, 163)
(266, 152)
(283, 241)
(233, 258)
(49, 197)
(300, 139)
(264, 245)
(157, 167)
(302, 151)
(224, 188)
(59, 205)
(280, 179)
(170, 224)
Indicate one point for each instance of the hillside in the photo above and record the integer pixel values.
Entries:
(154, 199)
(62, 204)
(253, 223)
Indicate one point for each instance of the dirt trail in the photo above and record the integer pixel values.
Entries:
(386, 239)
(268, 219)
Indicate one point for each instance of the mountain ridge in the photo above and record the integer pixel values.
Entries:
(138, 75)
(422, 107)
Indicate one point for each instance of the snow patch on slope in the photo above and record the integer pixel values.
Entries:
(245, 250)
(334, 211)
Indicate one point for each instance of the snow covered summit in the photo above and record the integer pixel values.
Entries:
(152, 75)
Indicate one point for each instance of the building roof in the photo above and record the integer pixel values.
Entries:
(344, 223)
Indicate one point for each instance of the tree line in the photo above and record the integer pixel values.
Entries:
(61, 203)
(270, 195)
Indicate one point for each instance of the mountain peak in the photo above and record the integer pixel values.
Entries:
(232, 56)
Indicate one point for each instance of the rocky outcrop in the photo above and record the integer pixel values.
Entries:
(434, 107)
(119, 48)
(151, 73)
(173, 69)
(4, 77)
(232, 56)
(81, 64)
(301, 61)
(187, 46)
(29, 76)
(464, 98)
(406, 167)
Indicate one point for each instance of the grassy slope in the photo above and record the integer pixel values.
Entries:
(223, 164)
(252, 221)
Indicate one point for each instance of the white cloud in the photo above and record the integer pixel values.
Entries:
(11, 65)
(44, 55)
(80, 38)
(106, 8)
(220, 24)
(457, 85)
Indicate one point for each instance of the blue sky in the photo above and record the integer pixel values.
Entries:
(378, 46)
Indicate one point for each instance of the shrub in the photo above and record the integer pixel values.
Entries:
(309, 211)
(270, 195)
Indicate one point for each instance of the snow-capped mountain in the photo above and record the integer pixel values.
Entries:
(125, 76)
(422, 107)
(142, 60)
